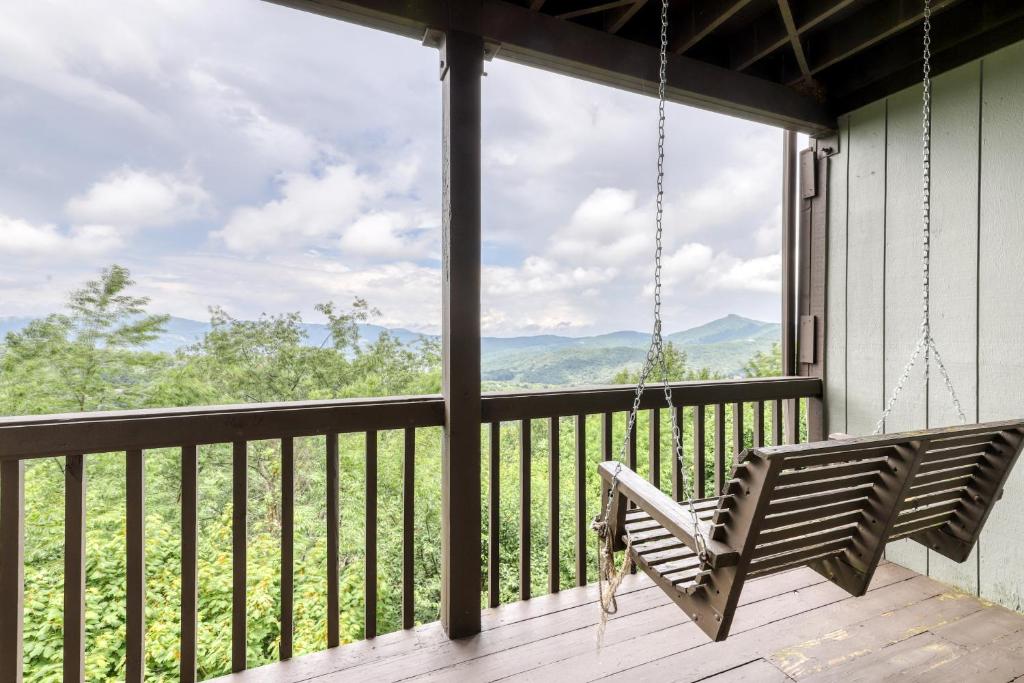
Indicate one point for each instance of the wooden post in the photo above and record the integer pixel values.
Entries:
(789, 281)
(12, 572)
(74, 568)
(462, 56)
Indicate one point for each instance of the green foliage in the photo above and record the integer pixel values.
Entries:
(765, 364)
(677, 368)
(89, 357)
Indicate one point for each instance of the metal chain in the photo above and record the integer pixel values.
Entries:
(925, 343)
(656, 351)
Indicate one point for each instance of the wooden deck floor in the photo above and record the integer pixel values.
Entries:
(791, 626)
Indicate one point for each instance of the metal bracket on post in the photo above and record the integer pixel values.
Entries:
(434, 37)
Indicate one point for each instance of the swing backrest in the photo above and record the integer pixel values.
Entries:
(830, 505)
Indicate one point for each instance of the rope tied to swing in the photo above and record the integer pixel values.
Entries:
(610, 577)
(925, 342)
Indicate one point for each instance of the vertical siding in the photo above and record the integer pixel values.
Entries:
(977, 284)
(1001, 306)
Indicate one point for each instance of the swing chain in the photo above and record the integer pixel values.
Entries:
(925, 343)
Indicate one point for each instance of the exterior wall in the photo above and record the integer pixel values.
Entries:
(977, 282)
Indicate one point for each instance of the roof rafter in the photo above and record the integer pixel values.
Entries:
(768, 34)
(704, 17)
(621, 17)
(794, 37)
(594, 9)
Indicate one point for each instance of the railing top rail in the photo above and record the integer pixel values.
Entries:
(99, 432)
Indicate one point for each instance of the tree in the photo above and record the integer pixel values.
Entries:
(88, 358)
(765, 364)
(678, 370)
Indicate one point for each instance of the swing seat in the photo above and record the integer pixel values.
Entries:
(831, 506)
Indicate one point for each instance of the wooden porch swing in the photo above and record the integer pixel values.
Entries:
(831, 506)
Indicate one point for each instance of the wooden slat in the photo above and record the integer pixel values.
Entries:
(135, 566)
(699, 475)
(287, 547)
(942, 485)
(554, 505)
(737, 429)
(74, 568)
(759, 433)
(631, 444)
(494, 518)
(581, 500)
(936, 466)
(820, 512)
(810, 502)
(790, 560)
(654, 446)
(12, 568)
(189, 565)
(606, 436)
(678, 489)
(943, 474)
(830, 471)
(720, 456)
(915, 515)
(943, 452)
(408, 528)
(823, 486)
(332, 540)
(809, 527)
(832, 534)
(777, 422)
(370, 528)
(525, 455)
(239, 546)
(837, 455)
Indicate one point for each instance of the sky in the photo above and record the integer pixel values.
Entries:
(241, 154)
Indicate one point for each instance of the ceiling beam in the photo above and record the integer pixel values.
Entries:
(874, 24)
(794, 38)
(594, 9)
(768, 34)
(621, 17)
(569, 48)
(701, 18)
(535, 5)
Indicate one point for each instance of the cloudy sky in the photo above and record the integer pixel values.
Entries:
(246, 155)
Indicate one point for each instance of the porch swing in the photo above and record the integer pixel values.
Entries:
(831, 506)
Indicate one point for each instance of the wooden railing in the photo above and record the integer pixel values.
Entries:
(75, 436)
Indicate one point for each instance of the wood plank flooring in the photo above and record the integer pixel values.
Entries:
(792, 626)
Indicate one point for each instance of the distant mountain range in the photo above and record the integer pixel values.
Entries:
(722, 345)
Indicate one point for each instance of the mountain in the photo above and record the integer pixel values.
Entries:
(722, 345)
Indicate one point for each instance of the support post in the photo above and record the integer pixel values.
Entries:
(789, 281)
(462, 56)
(12, 568)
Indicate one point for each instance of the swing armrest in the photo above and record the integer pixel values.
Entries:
(675, 518)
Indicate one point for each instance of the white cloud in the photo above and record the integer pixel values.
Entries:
(21, 238)
(139, 199)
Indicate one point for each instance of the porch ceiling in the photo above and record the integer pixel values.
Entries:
(792, 63)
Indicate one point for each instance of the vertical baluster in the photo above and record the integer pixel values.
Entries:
(791, 420)
(189, 540)
(135, 569)
(74, 568)
(287, 546)
(553, 505)
(370, 587)
(654, 447)
(606, 436)
(759, 424)
(332, 541)
(737, 430)
(719, 448)
(699, 477)
(12, 568)
(797, 410)
(239, 496)
(631, 445)
(581, 500)
(494, 518)
(408, 526)
(777, 422)
(525, 453)
(677, 468)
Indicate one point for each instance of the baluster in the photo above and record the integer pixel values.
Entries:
(606, 436)
(74, 568)
(408, 527)
(719, 448)
(737, 430)
(525, 453)
(631, 445)
(759, 424)
(699, 427)
(494, 518)
(332, 540)
(135, 569)
(553, 505)
(777, 422)
(287, 546)
(581, 500)
(189, 582)
(654, 446)
(12, 568)
(370, 586)
(239, 496)
(677, 470)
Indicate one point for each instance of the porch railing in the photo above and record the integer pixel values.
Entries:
(76, 436)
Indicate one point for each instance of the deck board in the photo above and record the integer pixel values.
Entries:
(790, 626)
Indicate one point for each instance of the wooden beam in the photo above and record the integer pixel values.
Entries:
(594, 9)
(12, 568)
(135, 566)
(565, 47)
(768, 34)
(794, 38)
(74, 568)
(535, 5)
(702, 17)
(621, 17)
(462, 57)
